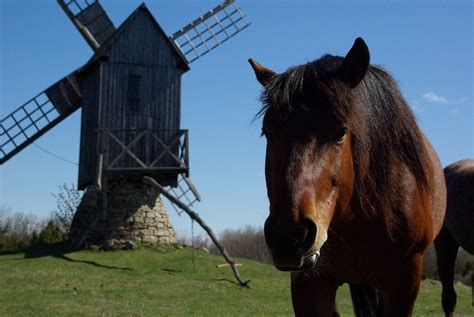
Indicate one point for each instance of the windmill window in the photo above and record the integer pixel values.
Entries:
(133, 92)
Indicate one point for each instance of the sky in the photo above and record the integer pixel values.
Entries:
(426, 45)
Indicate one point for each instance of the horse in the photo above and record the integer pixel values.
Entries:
(356, 191)
(458, 227)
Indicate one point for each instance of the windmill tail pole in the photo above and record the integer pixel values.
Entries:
(193, 215)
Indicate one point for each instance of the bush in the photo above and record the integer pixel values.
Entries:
(19, 232)
(248, 243)
(16, 230)
(51, 234)
(463, 269)
(430, 268)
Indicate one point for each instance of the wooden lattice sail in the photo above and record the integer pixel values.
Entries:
(90, 19)
(38, 115)
(210, 30)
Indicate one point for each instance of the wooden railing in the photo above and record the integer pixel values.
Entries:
(164, 151)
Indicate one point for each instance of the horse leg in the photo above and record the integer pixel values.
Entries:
(399, 294)
(313, 295)
(366, 300)
(446, 251)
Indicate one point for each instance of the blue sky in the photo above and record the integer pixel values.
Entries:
(426, 45)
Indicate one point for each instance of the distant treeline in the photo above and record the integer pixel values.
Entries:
(20, 232)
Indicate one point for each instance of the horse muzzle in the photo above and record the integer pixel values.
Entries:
(292, 245)
(305, 263)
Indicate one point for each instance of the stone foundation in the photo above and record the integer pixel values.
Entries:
(134, 212)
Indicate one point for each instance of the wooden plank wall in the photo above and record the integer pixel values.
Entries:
(142, 49)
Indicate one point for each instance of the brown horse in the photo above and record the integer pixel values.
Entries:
(356, 190)
(458, 227)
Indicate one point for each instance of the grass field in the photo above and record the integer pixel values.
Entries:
(160, 282)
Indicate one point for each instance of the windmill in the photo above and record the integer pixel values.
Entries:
(129, 92)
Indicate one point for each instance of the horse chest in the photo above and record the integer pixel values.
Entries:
(358, 257)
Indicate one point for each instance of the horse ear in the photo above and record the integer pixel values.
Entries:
(355, 64)
(263, 74)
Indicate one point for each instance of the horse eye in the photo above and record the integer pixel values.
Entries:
(340, 135)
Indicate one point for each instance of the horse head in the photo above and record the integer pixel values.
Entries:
(309, 166)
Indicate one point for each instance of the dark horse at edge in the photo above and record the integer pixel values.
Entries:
(356, 191)
(458, 227)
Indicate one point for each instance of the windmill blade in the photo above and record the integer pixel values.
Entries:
(210, 30)
(33, 119)
(90, 19)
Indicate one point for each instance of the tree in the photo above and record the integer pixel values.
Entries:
(51, 234)
(67, 201)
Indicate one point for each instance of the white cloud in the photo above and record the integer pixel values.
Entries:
(415, 105)
(431, 96)
(455, 111)
(435, 98)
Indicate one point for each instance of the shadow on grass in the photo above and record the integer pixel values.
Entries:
(59, 252)
(10, 252)
(169, 270)
(227, 280)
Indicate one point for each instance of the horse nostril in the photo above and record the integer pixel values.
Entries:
(299, 239)
(269, 234)
(310, 235)
(295, 242)
(300, 236)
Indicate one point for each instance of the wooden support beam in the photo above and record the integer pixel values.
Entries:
(194, 216)
(226, 265)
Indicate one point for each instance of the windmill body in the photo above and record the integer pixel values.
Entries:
(132, 97)
(129, 92)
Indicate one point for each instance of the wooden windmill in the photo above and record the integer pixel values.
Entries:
(129, 92)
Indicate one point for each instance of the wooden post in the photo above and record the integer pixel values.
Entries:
(194, 216)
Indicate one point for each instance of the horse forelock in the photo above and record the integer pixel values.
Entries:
(300, 86)
(384, 130)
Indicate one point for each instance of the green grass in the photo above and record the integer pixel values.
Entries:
(160, 282)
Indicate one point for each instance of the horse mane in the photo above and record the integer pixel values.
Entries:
(384, 129)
